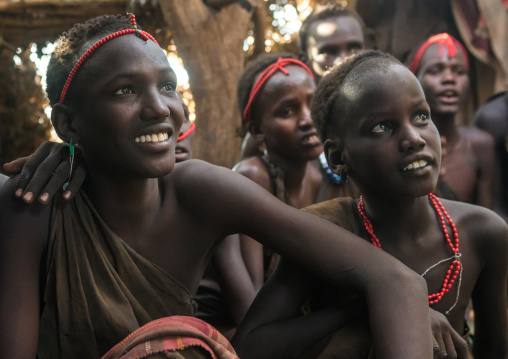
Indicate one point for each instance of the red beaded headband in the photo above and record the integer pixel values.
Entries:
(134, 30)
(187, 133)
(265, 75)
(443, 40)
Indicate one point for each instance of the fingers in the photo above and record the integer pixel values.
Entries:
(15, 166)
(439, 345)
(30, 168)
(449, 351)
(53, 183)
(460, 345)
(77, 179)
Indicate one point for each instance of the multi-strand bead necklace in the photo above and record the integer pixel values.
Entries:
(455, 269)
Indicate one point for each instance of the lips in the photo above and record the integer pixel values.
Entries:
(181, 154)
(311, 139)
(449, 97)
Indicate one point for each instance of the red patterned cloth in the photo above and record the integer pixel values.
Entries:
(173, 334)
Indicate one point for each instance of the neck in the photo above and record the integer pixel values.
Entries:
(118, 200)
(402, 218)
(445, 124)
(294, 172)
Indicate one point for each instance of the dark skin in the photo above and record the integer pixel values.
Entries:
(492, 118)
(183, 149)
(379, 142)
(470, 159)
(331, 40)
(283, 124)
(176, 215)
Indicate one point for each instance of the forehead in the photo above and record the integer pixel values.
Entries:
(127, 53)
(279, 83)
(340, 28)
(383, 90)
(432, 56)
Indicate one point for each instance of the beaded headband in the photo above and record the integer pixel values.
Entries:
(134, 30)
(187, 133)
(443, 40)
(265, 76)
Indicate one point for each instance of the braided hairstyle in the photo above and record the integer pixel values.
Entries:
(71, 47)
(324, 11)
(330, 108)
(247, 80)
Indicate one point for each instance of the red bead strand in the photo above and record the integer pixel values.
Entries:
(454, 270)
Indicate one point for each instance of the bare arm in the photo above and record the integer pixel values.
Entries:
(240, 258)
(23, 232)
(488, 186)
(320, 247)
(489, 295)
(275, 327)
(236, 283)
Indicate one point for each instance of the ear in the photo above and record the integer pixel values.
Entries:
(62, 118)
(256, 132)
(334, 154)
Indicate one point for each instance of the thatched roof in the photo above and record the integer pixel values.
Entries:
(25, 21)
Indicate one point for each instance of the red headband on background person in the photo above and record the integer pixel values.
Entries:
(134, 30)
(443, 40)
(187, 133)
(265, 75)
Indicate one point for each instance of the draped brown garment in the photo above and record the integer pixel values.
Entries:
(98, 289)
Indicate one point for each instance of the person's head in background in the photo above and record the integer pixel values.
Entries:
(328, 35)
(274, 94)
(183, 149)
(442, 67)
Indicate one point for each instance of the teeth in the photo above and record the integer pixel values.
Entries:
(415, 165)
(156, 137)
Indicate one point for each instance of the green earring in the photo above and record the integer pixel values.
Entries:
(71, 160)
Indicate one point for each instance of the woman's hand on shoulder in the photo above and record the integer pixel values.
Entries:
(45, 172)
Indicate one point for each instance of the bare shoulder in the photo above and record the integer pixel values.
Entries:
(197, 182)
(254, 169)
(485, 229)
(480, 139)
(22, 223)
(493, 111)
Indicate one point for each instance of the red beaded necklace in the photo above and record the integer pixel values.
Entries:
(451, 275)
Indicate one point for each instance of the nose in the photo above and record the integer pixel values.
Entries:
(448, 75)
(411, 139)
(155, 108)
(305, 120)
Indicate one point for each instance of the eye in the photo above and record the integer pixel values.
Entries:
(421, 119)
(287, 112)
(381, 127)
(124, 91)
(168, 87)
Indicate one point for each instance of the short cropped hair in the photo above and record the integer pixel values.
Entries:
(330, 109)
(69, 50)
